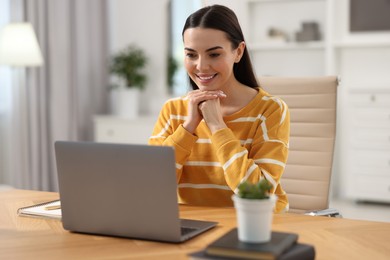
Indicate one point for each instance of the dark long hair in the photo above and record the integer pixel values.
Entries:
(224, 19)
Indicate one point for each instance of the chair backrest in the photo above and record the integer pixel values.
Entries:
(312, 104)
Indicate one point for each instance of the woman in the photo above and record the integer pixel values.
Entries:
(227, 130)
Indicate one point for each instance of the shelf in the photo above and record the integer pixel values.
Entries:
(280, 1)
(362, 44)
(315, 45)
(370, 90)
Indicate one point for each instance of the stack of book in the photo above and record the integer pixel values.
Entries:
(282, 246)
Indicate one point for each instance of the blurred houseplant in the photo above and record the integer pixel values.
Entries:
(171, 70)
(254, 207)
(127, 66)
(260, 190)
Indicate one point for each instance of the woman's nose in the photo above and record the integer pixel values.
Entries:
(202, 64)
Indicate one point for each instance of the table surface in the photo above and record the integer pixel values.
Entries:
(37, 238)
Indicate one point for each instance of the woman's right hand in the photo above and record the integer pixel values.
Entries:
(194, 115)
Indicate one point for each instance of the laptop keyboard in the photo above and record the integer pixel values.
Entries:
(186, 230)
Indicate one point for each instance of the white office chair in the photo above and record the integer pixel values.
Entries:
(312, 104)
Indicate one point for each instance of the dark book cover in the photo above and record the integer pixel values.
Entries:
(229, 245)
(295, 252)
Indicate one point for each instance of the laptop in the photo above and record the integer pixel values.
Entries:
(123, 190)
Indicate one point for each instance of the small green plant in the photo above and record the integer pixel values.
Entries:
(127, 64)
(171, 70)
(260, 190)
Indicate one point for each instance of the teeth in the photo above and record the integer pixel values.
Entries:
(206, 78)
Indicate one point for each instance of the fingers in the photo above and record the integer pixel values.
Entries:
(197, 97)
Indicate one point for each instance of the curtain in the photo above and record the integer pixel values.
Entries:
(58, 100)
(5, 82)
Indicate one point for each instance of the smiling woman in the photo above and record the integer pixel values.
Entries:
(227, 130)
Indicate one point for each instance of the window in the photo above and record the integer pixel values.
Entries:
(180, 10)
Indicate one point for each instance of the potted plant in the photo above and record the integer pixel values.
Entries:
(127, 65)
(254, 207)
(171, 70)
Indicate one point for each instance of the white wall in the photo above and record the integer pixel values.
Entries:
(239, 8)
(144, 23)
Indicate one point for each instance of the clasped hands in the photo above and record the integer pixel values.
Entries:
(205, 105)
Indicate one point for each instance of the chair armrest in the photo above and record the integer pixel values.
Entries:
(330, 212)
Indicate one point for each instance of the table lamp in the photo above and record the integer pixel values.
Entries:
(19, 46)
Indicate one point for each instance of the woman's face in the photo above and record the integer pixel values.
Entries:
(209, 58)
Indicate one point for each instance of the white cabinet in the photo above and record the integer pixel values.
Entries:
(114, 129)
(368, 153)
(364, 119)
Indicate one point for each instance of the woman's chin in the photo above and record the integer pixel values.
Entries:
(207, 87)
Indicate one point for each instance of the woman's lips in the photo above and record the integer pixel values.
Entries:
(205, 78)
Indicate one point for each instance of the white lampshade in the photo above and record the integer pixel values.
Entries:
(19, 46)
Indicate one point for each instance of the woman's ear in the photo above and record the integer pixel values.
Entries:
(240, 51)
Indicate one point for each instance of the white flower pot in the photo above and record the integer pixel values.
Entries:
(254, 218)
(125, 102)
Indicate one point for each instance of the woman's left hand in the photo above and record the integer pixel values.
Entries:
(212, 114)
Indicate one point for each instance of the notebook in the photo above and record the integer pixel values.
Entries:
(229, 245)
(122, 190)
(298, 251)
(49, 209)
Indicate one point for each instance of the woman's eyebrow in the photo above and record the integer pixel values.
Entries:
(214, 48)
(189, 49)
(209, 49)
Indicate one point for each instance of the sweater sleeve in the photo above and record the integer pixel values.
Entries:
(168, 131)
(267, 155)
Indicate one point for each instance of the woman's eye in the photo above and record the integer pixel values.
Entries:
(190, 55)
(214, 55)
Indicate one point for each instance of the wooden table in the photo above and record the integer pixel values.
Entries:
(33, 238)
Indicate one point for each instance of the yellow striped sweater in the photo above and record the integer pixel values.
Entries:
(210, 167)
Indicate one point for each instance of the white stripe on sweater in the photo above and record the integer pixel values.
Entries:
(277, 141)
(248, 119)
(244, 119)
(157, 137)
(178, 117)
(253, 119)
(233, 158)
(247, 141)
(208, 141)
(265, 131)
(203, 141)
(203, 163)
(269, 177)
(247, 174)
(203, 186)
(167, 124)
(281, 104)
(284, 112)
(272, 161)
